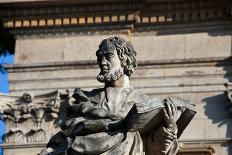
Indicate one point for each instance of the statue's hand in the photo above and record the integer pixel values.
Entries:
(170, 116)
(47, 151)
(164, 139)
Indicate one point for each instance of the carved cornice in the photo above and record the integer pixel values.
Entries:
(109, 16)
(109, 7)
(67, 10)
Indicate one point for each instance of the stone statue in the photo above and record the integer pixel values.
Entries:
(117, 119)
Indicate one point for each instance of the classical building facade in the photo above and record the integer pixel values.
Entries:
(184, 49)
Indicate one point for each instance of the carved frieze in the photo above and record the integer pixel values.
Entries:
(36, 135)
(14, 135)
(29, 118)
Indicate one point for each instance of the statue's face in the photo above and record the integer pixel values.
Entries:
(108, 60)
(109, 64)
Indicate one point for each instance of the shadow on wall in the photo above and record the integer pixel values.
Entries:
(227, 67)
(218, 109)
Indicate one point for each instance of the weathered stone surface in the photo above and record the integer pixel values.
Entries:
(159, 47)
(208, 45)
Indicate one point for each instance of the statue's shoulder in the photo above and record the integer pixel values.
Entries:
(137, 96)
(92, 95)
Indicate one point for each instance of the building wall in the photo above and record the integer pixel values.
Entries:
(148, 46)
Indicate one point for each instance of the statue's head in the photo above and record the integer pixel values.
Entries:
(116, 57)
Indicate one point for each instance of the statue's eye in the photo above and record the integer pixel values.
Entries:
(109, 55)
(98, 59)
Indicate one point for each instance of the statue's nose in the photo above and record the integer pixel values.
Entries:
(104, 61)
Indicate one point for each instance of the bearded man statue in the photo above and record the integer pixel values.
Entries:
(117, 119)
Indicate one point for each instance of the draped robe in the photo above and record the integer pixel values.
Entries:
(96, 125)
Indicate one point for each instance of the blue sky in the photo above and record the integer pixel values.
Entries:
(4, 87)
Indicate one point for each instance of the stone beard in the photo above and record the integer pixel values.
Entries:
(107, 121)
(113, 75)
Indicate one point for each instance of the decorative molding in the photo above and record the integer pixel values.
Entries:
(104, 20)
(206, 141)
(123, 28)
(119, 19)
(194, 62)
(196, 150)
(23, 145)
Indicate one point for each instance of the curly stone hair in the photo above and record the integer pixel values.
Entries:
(125, 52)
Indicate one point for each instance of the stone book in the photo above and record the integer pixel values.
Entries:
(144, 120)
